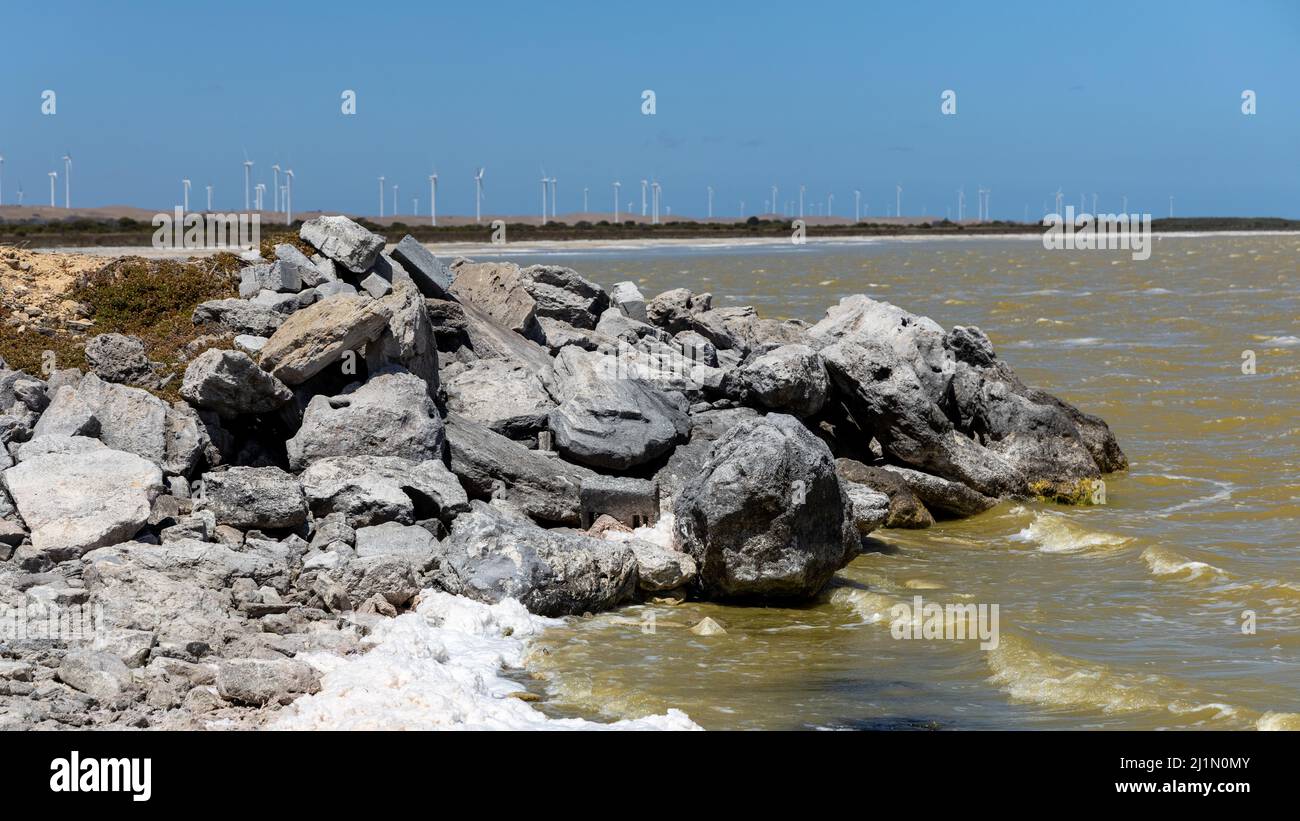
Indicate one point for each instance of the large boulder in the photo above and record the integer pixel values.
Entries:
(506, 396)
(408, 340)
(79, 500)
(491, 556)
(608, 421)
(790, 379)
(230, 383)
(390, 415)
(257, 682)
(369, 490)
(125, 418)
(343, 241)
(315, 337)
(498, 288)
(253, 497)
(561, 293)
(766, 517)
(490, 465)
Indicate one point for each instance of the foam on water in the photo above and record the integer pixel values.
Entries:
(1055, 533)
(440, 668)
(1163, 562)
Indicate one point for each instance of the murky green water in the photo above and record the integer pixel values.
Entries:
(1123, 616)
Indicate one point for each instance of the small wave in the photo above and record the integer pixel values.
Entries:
(1278, 721)
(1164, 562)
(1055, 533)
(1283, 341)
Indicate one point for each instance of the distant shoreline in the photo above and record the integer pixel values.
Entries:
(633, 244)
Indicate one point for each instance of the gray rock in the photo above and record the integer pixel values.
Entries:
(130, 419)
(67, 415)
(490, 556)
(767, 516)
(906, 510)
(948, 499)
(369, 490)
(343, 241)
(239, 316)
(231, 383)
(186, 440)
(488, 464)
(790, 379)
(608, 422)
(316, 337)
(284, 303)
(561, 293)
(633, 502)
(328, 270)
(408, 341)
(614, 324)
(55, 443)
(394, 539)
(334, 287)
(249, 344)
(118, 358)
(99, 675)
(294, 263)
(280, 276)
(258, 682)
(430, 275)
(253, 497)
(74, 502)
(506, 396)
(687, 460)
(659, 568)
(868, 508)
(499, 290)
(490, 339)
(390, 415)
(627, 298)
(560, 334)
(376, 286)
(697, 348)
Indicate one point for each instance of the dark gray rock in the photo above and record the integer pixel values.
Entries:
(790, 378)
(506, 396)
(491, 556)
(430, 275)
(906, 510)
(343, 241)
(767, 516)
(370, 490)
(119, 358)
(561, 293)
(239, 316)
(944, 498)
(252, 497)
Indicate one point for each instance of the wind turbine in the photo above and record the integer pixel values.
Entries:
(248, 173)
(555, 181)
(288, 197)
(67, 180)
(979, 203)
(961, 203)
(478, 195)
(433, 198)
(857, 205)
(275, 189)
(381, 196)
(643, 185)
(742, 209)
(801, 190)
(1171, 206)
(2, 179)
(584, 199)
(1059, 197)
(185, 197)
(1094, 202)
(830, 201)
(545, 181)
(54, 175)
(774, 206)
(617, 185)
(395, 209)
(210, 197)
(20, 193)
(261, 196)
(1124, 210)
(988, 195)
(657, 190)
(710, 190)
(898, 200)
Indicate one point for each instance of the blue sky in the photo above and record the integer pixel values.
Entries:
(1140, 99)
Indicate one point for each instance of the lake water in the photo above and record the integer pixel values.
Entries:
(1128, 615)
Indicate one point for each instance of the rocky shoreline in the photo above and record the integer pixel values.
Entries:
(369, 425)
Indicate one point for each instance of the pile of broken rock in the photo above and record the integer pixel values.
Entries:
(385, 423)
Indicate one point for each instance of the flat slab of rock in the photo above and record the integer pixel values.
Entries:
(906, 510)
(258, 682)
(74, 502)
(370, 490)
(498, 289)
(343, 241)
(102, 676)
(390, 415)
(490, 556)
(766, 517)
(231, 383)
(254, 497)
(239, 316)
(431, 276)
(507, 397)
(545, 488)
(311, 339)
(951, 499)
